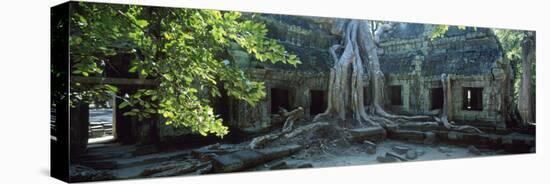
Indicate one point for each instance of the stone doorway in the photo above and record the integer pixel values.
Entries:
(437, 98)
(279, 98)
(101, 126)
(395, 95)
(318, 102)
(222, 105)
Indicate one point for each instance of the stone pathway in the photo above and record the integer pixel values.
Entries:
(101, 123)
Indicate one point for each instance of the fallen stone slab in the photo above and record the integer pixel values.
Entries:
(279, 165)
(512, 143)
(305, 165)
(159, 168)
(368, 133)
(390, 157)
(384, 159)
(455, 136)
(205, 153)
(244, 159)
(429, 138)
(518, 143)
(444, 149)
(204, 169)
(473, 150)
(79, 173)
(207, 157)
(180, 170)
(371, 147)
(390, 154)
(400, 149)
(420, 126)
(420, 152)
(117, 163)
(411, 154)
(407, 135)
(170, 168)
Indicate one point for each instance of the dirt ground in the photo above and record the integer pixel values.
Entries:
(356, 154)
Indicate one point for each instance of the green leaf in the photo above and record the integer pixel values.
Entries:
(187, 36)
(167, 36)
(143, 72)
(142, 23)
(188, 79)
(168, 77)
(133, 69)
(168, 114)
(123, 104)
(111, 88)
(82, 20)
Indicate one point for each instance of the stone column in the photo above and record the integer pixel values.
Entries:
(123, 124)
(79, 125)
(449, 97)
(301, 97)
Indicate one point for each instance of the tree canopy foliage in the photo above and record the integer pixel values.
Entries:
(510, 41)
(185, 50)
(440, 30)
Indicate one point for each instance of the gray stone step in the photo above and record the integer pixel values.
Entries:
(118, 163)
(244, 159)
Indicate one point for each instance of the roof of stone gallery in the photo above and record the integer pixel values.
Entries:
(471, 51)
(300, 36)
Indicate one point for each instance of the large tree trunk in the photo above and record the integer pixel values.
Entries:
(345, 94)
(525, 103)
(446, 83)
(346, 85)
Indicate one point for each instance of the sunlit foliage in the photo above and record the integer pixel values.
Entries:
(185, 50)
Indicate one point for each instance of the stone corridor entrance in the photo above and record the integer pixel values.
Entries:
(318, 102)
(101, 127)
(279, 98)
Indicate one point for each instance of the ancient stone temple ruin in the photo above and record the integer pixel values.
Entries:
(446, 97)
(411, 60)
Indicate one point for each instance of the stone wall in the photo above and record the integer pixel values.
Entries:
(416, 95)
(299, 84)
(409, 58)
(470, 57)
(461, 52)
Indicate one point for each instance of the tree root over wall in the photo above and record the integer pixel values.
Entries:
(346, 85)
(347, 118)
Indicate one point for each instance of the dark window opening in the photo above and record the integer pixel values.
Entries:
(437, 98)
(279, 98)
(222, 105)
(395, 95)
(318, 103)
(472, 99)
